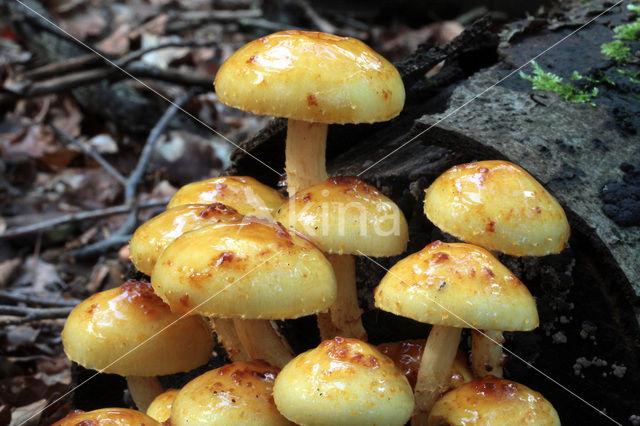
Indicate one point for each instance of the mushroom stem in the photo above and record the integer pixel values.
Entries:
(486, 356)
(344, 313)
(262, 341)
(229, 339)
(144, 390)
(305, 150)
(434, 374)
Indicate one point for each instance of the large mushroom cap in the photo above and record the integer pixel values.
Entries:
(235, 394)
(160, 407)
(343, 382)
(457, 285)
(247, 270)
(499, 206)
(153, 236)
(107, 416)
(490, 401)
(347, 216)
(311, 76)
(243, 193)
(129, 331)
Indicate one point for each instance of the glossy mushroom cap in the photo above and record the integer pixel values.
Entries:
(160, 407)
(344, 215)
(457, 285)
(492, 401)
(153, 236)
(311, 76)
(235, 394)
(129, 331)
(248, 270)
(243, 193)
(107, 416)
(343, 382)
(499, 206)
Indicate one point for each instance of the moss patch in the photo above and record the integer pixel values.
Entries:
(547, 81)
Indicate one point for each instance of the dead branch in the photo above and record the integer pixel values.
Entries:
(62, 67)
(32, 300)
(137, 54)
(322, 24)
(26, 314)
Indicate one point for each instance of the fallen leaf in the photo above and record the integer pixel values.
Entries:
(38, 278)
(21, 335)
(103, 144)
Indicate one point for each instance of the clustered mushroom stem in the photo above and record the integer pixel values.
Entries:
(345, 314)
(434, 374)
(486, 356)
(228, 336)
(262, 341)
(144, 390)
(305, 154)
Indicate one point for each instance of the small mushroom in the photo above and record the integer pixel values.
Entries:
(107, 416)
(343, 382)
(160, 407)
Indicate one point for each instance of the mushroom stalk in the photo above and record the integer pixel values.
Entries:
(486, 356)
(228, 336)
(345, 313)
(262, 341)
(144, 390)
(434, 375)
(305, 151)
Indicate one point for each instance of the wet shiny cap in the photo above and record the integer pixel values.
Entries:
(107, 416)
(153, 236)
(245, 194)
(495, 402)
(160, 407)
(107, 331)
(499, 206)
(457, 285)
(343, 382)
(235, 394)
(311, 76)
(247, 270)
(345, 215)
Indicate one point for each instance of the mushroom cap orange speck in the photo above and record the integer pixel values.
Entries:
(153, 236)
(457, 285)
(343, 382)
(234, 394)
(107, 416)
(345, 215)
(490, 401)
(243, 193)
(311, 76)
(499, 206)
(160, 407)
(247, 270)
(107, 331)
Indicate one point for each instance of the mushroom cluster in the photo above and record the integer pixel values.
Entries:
(231, 255)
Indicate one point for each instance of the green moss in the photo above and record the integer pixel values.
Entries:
(627, 31)
(617, 50)
(634, 8)
(600, 78)
(543, 80)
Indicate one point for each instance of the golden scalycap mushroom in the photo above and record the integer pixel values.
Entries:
(347, 216)
(235, 394)
(247, 270)
(160, 407)
(106, 332)
(243, 193)
(443, 279)
(153, 236)
(107, 417)
(490, 401)
(343, 382)
(499, 206)
(311, 76)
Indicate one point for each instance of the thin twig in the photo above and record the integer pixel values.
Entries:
(58, 68)
(135, 55)
(322, 24)
(101, 246)
(27, 314)
(33, 300)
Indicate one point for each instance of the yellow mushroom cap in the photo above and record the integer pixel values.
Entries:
(457, 285)
(247, 270)
(107, 416)
(347, 216)
(235, 394)
(311, 76)
(490, 401)
(499, 206)
(160, 407)
(243, 193)
(129, 331)
(343, 382)
(153, 236)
